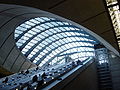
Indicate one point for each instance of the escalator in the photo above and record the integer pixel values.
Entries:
(36, 78)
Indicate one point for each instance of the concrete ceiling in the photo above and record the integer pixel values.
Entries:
(90, 13)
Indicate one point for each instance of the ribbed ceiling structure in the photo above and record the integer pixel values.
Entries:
(45, 40)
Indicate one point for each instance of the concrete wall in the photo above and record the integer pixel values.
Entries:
(11, 59)
(86, 80)
(115, 72)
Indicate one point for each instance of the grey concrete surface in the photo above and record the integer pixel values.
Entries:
(86, 80)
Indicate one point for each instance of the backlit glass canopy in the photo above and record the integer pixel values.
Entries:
(46, 41)
(114, 11)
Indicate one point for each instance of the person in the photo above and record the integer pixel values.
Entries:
(27, 72)
(40, 83)
(35, 78)
(6, 80)
(37, 68)
(79, 62)
(73, 63)
(43, 75)
(29, 87)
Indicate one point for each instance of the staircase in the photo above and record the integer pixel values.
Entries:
(104, 77)
(115, 72)
(103, 68)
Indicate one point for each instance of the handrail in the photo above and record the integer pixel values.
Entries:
(37, 78)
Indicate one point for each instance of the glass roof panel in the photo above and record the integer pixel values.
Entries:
(43, 44)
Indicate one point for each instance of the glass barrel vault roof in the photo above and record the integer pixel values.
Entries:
(46, 40)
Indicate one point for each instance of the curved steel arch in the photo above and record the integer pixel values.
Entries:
(35, 45)
(53, 50)
(78, 56)
(29, 47)
(63, 58)
(62, 52)
(35, 55)
(44, 31)
(34, 27)
(70, 53)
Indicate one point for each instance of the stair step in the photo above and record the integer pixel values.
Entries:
(103, 66)
(103, 69)
(106, 85)
(105, 81)
(105, 88)
(105, 77)
(104, 74)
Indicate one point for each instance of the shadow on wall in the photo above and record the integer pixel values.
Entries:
(4, 72)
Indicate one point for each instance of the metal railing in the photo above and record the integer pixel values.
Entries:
(36, 78)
